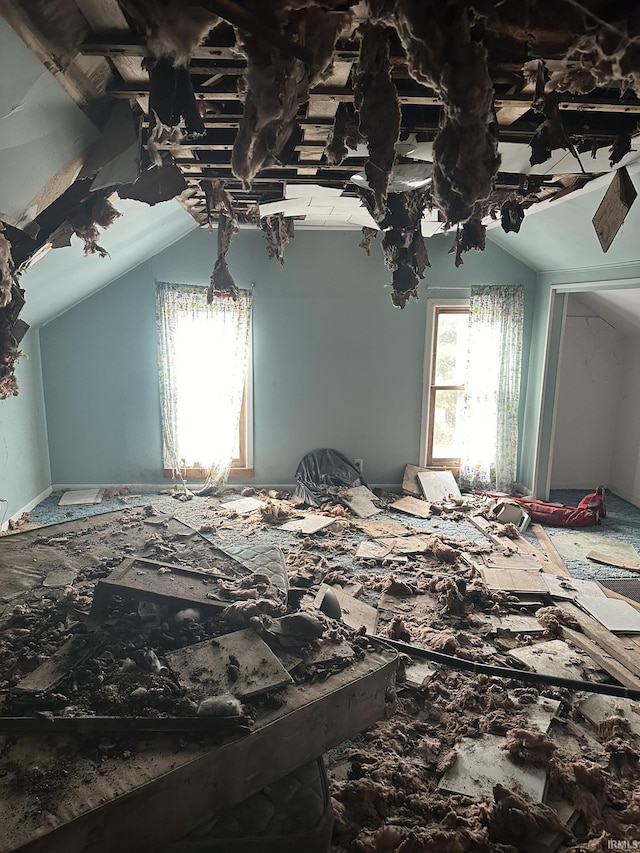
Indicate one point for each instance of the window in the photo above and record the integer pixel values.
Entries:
(204, 354)
(448, 367)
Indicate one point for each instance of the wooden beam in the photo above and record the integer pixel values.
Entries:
(600, 657)
(607, 641)
(344, 95)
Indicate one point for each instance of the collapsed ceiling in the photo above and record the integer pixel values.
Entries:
(405, 118)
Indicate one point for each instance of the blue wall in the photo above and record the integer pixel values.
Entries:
(334, 363)
(24, 453)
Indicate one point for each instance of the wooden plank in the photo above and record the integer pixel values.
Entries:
(549, 548)
(568, 589)
(240, 663)
(612, 560)
(615, 646)
(412, 506)
(138, 811)
(372, 550)
(355, 614)
(520, 544)
(601, 658)
(410, 483)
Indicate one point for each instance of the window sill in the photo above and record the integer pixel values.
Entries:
(201, 473)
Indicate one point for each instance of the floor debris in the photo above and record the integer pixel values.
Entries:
(234, 653)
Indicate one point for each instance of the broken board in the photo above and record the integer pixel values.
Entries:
(613, 560)
(360, 500)
(372, 550)
(355, 613)
(482, 763)
(81, 496)
(438, 486)
(240, 663)
(412, 506)
(71, 653)
(309, 524)
(410, 483)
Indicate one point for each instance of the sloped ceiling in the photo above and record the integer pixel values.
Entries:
(559, 235)
(65, 276)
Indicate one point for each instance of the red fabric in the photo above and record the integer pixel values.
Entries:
(562, 516)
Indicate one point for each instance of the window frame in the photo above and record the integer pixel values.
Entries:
(242, 467)
(436, 307)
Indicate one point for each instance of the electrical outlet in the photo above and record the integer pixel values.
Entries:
(359, 463)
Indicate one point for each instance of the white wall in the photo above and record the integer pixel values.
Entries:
(625, 463)
(590, 379)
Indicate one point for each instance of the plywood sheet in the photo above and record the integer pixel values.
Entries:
(418, 673)
(618, 647)
(514, 580)
(483, 763)
(308, 524)
(81, 496)
(412, 506)
(553, 657)
(355, 613)
(407, 544)
(240, 663)
(616, 616)
(243, 505)
(438, 485)
(539, 713)
(602, 658)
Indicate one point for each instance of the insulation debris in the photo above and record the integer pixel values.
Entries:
(368, 235)
(277, 84)
(278, 230)
(345, 135)
(218, 199)
(442, 55)
(12, 330)
(376, 100)
(173, 28)
(93, 213)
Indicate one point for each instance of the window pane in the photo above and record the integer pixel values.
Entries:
(451, 349)
(446, 419)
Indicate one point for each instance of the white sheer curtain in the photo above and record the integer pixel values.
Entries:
(489, 427)
(203, 351)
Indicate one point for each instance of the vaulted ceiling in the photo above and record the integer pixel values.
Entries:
(405, 118)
